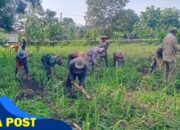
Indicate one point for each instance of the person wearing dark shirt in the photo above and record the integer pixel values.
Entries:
(157, 59)
(77, 69)
(23, 44)
(49, 61)
(21, 60)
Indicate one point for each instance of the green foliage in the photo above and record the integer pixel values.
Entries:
(54, 31)
(170, 18)
(156, 19)
(100, 14)
(178, 36)
(124, 21)
(151, 17)
(161, 35)
(68, 21)
(9, 9)
(34, 29)
(92, 35)
(50, 17)
(128, 97)
(3, 37)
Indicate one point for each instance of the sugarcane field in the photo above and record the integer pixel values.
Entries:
(95, 65)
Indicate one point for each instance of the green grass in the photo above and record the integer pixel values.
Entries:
(124, 98)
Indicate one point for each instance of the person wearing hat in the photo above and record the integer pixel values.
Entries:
(92, 56)
(157, 59)
(49, 61)
(77, 68)
(15, 47)
(104, 44)
(74, 55)
(21, 60)
(118, 58)
(170, 47)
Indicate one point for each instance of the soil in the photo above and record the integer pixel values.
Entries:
(30, 88)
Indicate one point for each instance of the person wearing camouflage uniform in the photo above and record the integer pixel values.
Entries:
(170, 47)
(49, 61)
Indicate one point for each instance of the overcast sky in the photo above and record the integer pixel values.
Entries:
(76, 8)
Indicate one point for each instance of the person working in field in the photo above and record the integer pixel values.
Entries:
(75, 54)
(49, 61)
(104, 44)
(15, 47)
(23, 43)
(118, 58)
(77, 68)
(92, 56)
(170, 47)
(21, 60)
(157, 59)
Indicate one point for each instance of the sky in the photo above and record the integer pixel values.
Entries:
(76, 9)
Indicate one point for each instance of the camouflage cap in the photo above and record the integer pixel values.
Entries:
(172, 29)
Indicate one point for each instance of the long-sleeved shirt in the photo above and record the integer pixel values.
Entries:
(104, 44)
(92, 54)
(170, 47)
(48, 60)
(80, 73)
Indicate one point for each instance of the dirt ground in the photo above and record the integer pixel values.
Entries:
(30, 88)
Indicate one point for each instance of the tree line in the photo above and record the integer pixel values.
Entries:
(103, 17)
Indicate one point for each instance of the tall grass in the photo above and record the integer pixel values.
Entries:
(124, 97)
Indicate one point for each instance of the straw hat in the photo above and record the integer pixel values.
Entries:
(79, 62)
(104, 37)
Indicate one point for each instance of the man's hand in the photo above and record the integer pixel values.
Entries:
(97, 65)
(72, 81)
(81, 87)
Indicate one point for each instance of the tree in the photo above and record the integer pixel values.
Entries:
(6, 14)
(81, 31)
(10, 8)
(170, 17)
(151, 17)
(92, 34)
(100, 13)
(69, 28)
(155, 20)
(54, 31)
(125, 20)
(50, 17)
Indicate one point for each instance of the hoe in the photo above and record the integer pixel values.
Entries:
(83, 91)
